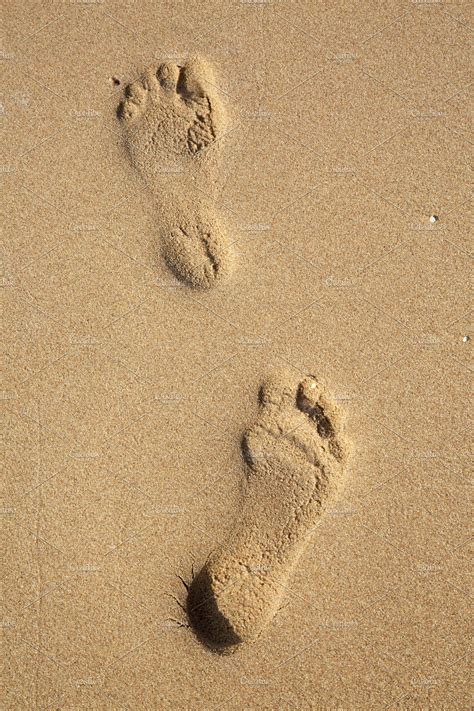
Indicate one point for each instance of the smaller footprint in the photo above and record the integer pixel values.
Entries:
(172, 120)
(296, 456)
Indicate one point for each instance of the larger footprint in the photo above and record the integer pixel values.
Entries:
(172, 120)
(296, 458)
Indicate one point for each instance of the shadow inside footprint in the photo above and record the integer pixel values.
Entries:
(211, 627)
(316, 413)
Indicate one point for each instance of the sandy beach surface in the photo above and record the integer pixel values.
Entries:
(200, 199)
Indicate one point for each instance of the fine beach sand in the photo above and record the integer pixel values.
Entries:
(237, 338)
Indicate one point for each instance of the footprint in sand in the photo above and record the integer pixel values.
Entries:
(296, 458)
(172, 120)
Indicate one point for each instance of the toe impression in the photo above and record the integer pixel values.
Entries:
(168, 75)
